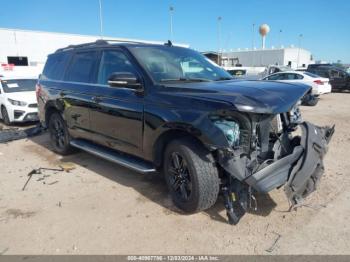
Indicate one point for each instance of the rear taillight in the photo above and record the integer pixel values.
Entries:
(318, 82)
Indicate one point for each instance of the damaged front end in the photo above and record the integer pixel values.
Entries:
(267, 152)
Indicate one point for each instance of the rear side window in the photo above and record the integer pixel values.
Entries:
(81, 69)
(276, 77)
(55, 66)
(291, 76)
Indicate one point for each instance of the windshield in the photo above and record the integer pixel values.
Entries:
(169, 63)
(18, 85)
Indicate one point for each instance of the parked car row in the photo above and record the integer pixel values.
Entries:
(325, 76)
(320, 85)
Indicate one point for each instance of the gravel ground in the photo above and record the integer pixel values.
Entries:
(102, 208)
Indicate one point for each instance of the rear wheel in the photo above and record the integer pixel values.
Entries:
(5, 116)
(191, 175)
(59, 134)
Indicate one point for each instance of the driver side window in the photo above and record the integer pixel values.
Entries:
(113, 61)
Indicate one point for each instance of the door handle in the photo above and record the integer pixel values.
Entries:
(96, 99)
(76, 116)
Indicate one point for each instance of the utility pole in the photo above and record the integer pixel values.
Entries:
(219, 40)
(171, 10)
(100, 16)
(299, 46)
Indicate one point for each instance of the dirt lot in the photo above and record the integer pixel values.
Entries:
(102, 208)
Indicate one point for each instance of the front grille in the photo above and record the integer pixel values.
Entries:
(33, 105)
(18, 114)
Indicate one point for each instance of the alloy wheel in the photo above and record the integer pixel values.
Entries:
(179, 176)
(58, 134)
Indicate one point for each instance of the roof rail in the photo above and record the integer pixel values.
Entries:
(97, 42)
(101, 42)
(124, 41)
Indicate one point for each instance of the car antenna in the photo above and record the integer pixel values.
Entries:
(169, 43)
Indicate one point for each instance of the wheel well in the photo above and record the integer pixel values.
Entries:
(2, 106)
(48, 112)
(162, 142)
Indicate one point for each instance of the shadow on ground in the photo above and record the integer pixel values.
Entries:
(150, 186)
(17, 125)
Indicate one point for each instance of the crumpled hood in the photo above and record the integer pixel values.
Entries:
(268, 97)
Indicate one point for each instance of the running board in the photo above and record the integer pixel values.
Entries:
(114, 156)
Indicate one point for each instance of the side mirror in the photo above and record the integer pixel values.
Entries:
(124, 79)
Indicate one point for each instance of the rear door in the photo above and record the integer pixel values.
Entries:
(117, 115)
(76, 92)
(337, 78)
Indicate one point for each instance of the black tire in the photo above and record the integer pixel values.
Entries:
(309, 100)
(59, 135)
(313, 101)
(5, 116)
(200, 180)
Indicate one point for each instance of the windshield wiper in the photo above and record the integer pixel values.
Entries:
(181, 79)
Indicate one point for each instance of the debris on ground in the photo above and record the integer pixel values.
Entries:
(38, 171)
(67, 166)
(270, 249)
(7, 135)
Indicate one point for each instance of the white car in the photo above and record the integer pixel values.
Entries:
(18, 99)
(320, 85)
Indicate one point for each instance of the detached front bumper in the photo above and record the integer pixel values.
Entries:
(299, 171)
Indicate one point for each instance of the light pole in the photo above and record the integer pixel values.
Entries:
(279, 38)
(219, 39)
(299, 46)
(253, 44)
(100, 16)
(171, 10)
(253, 37)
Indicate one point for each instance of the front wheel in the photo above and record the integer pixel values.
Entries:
(59, 134)
(5, 116)
(191, 175)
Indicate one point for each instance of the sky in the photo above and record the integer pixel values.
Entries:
(324, 24)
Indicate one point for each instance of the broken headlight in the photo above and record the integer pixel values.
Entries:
(230, 128)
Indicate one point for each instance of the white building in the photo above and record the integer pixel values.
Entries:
(25, 47)
(290, 56)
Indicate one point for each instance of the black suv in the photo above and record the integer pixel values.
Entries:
(338, 78)
(166, 108)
